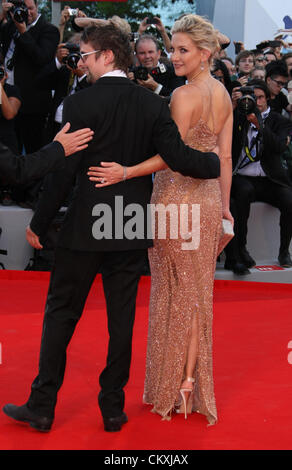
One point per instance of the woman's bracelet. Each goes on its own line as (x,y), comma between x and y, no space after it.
(125,173)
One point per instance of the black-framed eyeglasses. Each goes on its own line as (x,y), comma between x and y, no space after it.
(279,83)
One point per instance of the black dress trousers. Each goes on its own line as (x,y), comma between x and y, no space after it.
(71,280)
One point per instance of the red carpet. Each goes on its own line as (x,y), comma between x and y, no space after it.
(253,377)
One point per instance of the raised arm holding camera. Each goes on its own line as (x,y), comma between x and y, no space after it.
(67,14)
(156,22)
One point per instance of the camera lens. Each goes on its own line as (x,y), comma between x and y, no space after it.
(20,12)
(72,60)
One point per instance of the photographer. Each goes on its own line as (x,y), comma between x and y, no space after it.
(244,64)
(260,138)
(28,44)
(9,106)
(10,103)
(277,78)
(64,77)
(152,74)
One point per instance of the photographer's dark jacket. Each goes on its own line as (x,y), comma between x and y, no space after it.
(33,50)
(275,131)
(57,79)
(168,80)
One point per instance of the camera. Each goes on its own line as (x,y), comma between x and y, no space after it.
(2,72)
(19,11)
(73,11)
(73,57)
(140,72)
(151,20)
(247,104)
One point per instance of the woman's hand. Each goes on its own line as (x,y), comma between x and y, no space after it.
(106,174)
(226,214)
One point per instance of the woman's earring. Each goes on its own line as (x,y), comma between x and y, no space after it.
(202,66)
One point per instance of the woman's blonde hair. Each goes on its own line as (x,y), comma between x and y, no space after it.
(200,30)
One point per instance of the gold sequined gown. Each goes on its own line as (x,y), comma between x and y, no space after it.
(182,288)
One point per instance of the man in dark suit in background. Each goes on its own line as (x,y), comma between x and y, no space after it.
(259,174)
(27,46)
(130,124)
(64,77)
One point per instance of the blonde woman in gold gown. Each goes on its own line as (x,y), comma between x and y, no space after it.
(179,371)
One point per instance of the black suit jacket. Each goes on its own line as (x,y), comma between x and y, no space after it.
(23,169)
(275,132)
(33,50)
(131,124)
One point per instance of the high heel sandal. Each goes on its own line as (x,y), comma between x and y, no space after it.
(187,403)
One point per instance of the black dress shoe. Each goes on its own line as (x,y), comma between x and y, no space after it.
(115,424)
(25,415)
(246,259)
(238,268)
(285,260)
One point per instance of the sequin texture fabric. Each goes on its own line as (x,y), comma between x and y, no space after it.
(182,287)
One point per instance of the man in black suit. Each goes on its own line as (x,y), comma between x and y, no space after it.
(130,124)
(28,46)
(161,76)
(260,174)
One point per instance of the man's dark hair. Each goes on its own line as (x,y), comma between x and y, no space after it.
(276,68)
(270,52)
(256,83)
(219,65)
(147,37)
(286,56)
(110,37)
(243,55)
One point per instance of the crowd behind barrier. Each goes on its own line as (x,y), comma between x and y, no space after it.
(39,68)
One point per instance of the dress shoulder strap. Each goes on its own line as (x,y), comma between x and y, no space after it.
(211,106)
